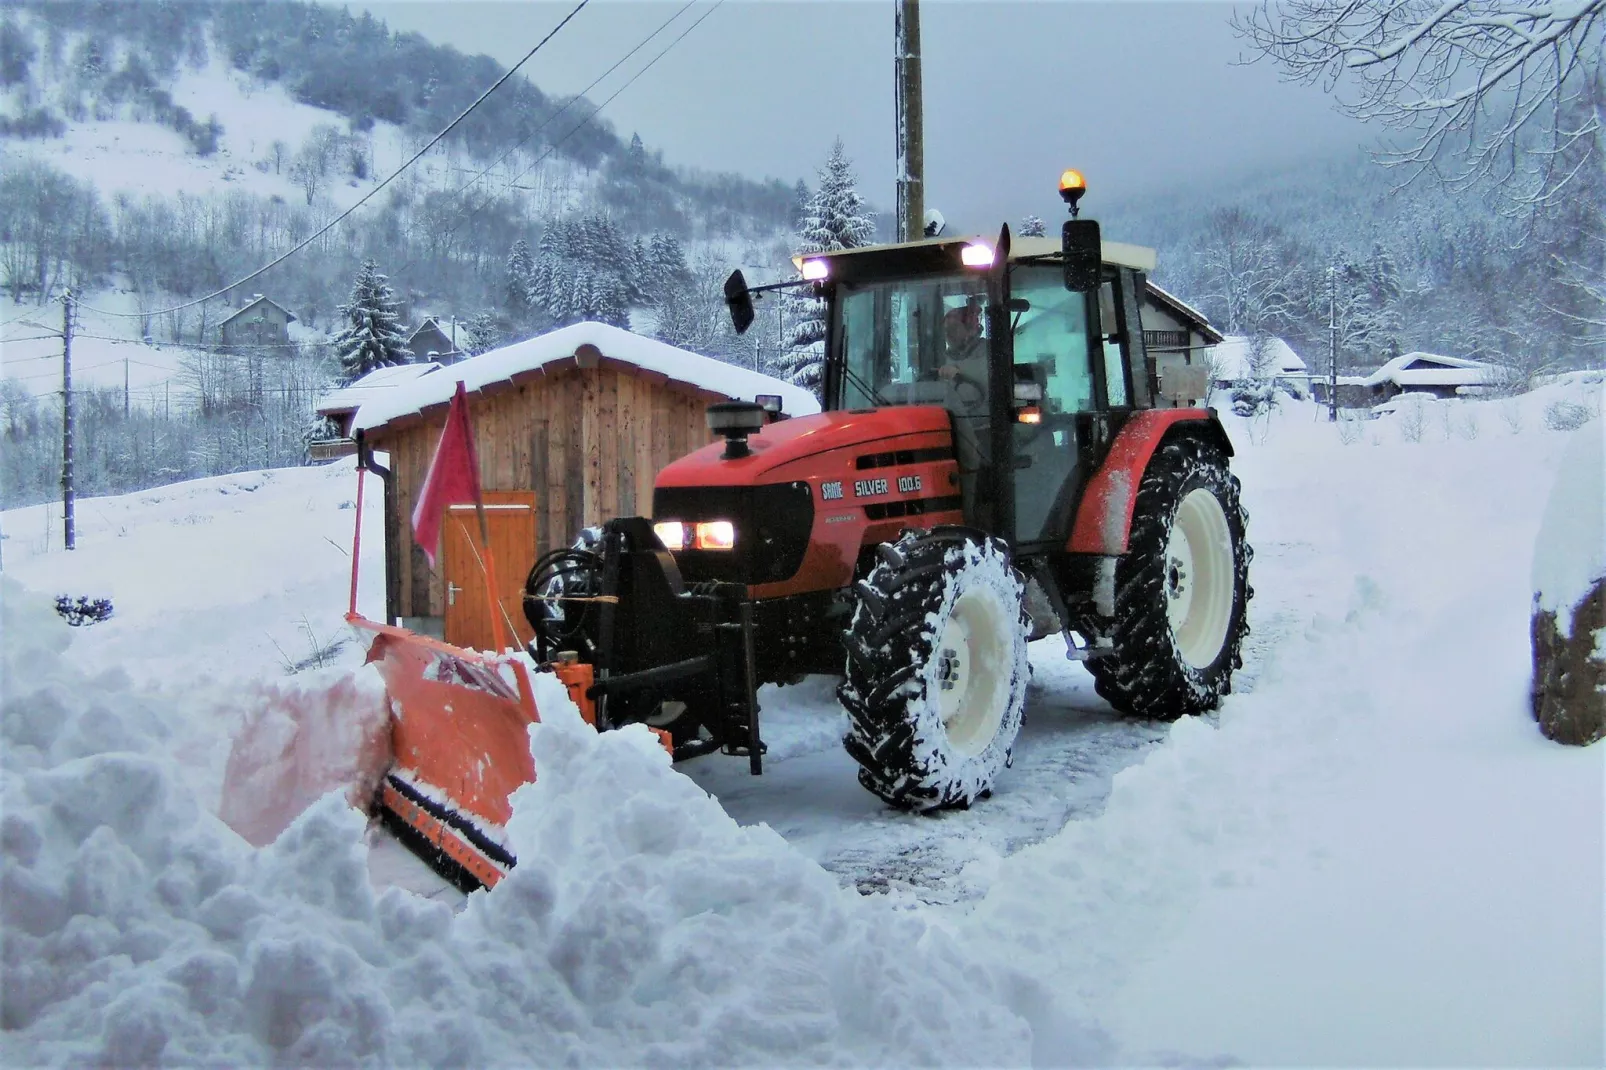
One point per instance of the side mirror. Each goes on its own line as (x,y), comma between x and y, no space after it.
(1083,251)
(771,404)
(740,302)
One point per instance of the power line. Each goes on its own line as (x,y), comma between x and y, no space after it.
(582,123)
(576,98)
(367,196)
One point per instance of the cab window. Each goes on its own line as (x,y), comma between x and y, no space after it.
(1051,337)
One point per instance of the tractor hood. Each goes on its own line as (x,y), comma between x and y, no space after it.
(787,441)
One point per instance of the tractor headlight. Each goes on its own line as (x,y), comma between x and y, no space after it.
(672,533)
(714,535)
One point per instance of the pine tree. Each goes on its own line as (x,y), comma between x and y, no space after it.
(483,333)
(800,204)
(516,288)
(836,219)
(372,337)
(640,277)
(1033,227)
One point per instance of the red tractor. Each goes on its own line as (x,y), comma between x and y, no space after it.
(990,467)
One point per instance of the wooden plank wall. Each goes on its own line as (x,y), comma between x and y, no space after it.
(589,443)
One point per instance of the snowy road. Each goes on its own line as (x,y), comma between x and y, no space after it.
(1071,745)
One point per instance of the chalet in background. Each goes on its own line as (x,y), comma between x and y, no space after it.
(261,322)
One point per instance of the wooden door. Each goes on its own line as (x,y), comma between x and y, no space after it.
(510,516)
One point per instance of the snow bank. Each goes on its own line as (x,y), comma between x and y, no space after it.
(642,926)
(1570,554)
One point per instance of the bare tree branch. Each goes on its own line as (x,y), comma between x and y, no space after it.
(1504,91)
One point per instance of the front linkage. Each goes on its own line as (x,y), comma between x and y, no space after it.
(674,657)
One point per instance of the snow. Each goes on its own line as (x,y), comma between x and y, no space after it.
(644,926)
(1368,856)
(121,156)
(1232,359)
(1570,554)
(499,365)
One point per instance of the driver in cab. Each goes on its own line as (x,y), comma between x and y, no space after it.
(964,365)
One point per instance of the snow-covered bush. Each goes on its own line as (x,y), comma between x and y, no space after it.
(1511,415)
(1254,398)
(1413,418)
(1568,627)
(1567,415)
(1349,427)
(83,609)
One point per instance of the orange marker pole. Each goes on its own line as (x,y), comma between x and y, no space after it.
(356,538)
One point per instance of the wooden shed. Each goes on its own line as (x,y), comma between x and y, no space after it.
(571,429)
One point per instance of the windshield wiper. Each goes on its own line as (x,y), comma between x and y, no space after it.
(864,387)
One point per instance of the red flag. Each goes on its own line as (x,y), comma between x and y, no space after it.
(453,479)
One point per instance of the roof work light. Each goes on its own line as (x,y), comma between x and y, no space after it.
(976,256)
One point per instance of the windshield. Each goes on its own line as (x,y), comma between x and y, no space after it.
(908,341)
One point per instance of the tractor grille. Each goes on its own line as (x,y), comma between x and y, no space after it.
(772,529)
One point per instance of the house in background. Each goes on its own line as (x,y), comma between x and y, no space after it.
(1422,373)
(1235,361)
(260,322)
(431,343)
(1178,337)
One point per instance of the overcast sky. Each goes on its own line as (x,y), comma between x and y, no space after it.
(1142,96)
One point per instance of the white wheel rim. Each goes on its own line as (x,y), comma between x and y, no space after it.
(1199,578)
(970,670)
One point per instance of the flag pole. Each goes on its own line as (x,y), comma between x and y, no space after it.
(490,575)
(488,563)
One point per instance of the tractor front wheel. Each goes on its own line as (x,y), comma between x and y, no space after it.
(1181,588)
(936,669)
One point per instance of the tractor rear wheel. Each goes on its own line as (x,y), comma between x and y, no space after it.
(1181,589)
(936,669)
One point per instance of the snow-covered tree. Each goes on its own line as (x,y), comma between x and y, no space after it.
(483,333)
(837,219)
(1033,227)
(517,283)
(1492,88)
(371,336)
(1248,276)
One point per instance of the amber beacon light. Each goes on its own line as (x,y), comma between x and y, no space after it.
(1072,186)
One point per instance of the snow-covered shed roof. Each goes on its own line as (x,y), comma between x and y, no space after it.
(376,384)
(1230,359)
(1431,369)
(562,349)
(1183,311)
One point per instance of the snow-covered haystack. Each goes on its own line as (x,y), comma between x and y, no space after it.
(642,925)
(1569,615)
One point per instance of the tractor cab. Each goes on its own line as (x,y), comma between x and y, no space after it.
(1034,366)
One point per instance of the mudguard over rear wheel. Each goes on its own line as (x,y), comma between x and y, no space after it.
(936,669)
(1181,589)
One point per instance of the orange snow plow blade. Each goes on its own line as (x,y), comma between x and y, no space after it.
(459,732)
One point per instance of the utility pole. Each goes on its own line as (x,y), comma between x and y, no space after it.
(1332,344)
(125,388)
(66,421)
(911,155)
